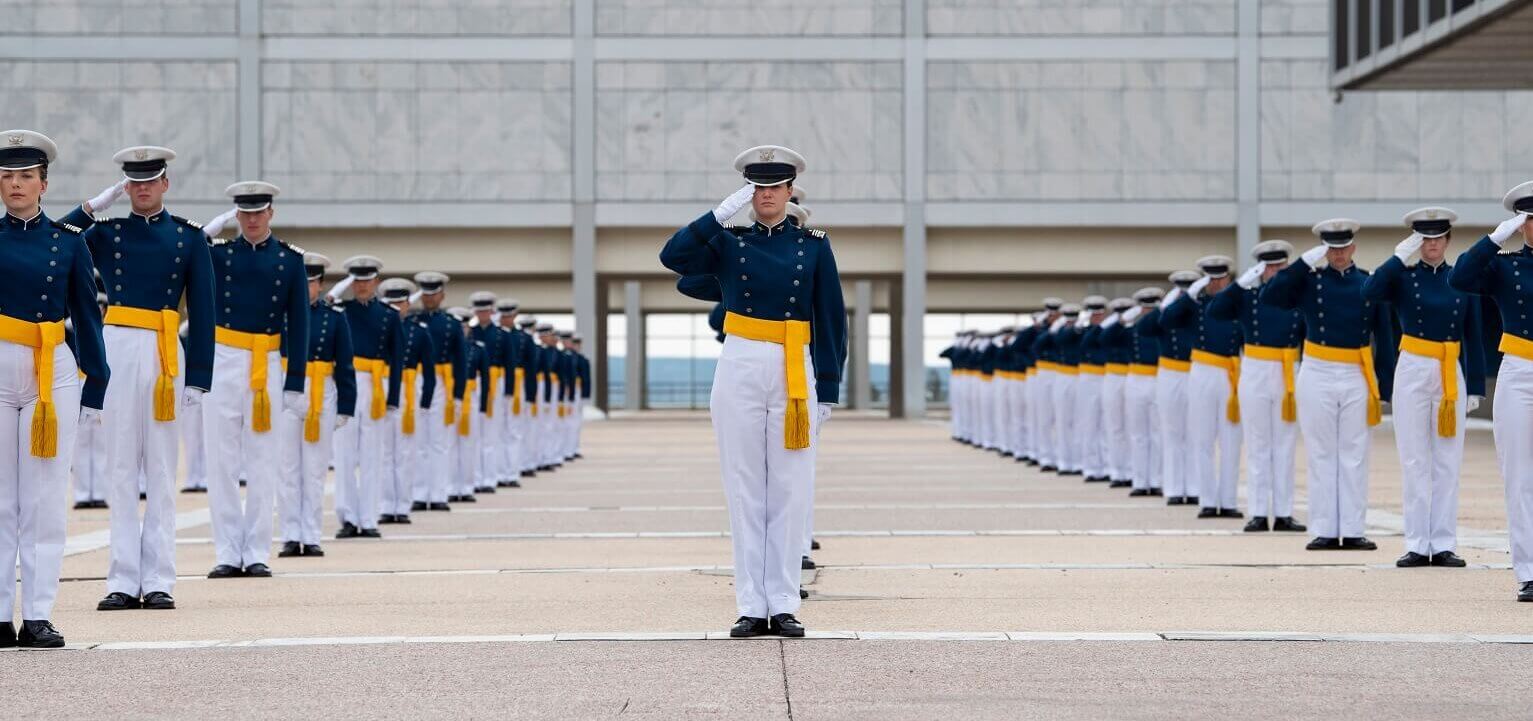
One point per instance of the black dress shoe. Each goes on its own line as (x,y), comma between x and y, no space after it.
(403,520)
(313,549)
(143,496)
(225,571)
(290,549)
(1526,593)
(1139,492)
(1412,559)
(1208,513)
(118,601)
(7,634)
(1176,501)
(82,505)
(1448,559)
(469,499)
(802,594)
(814,545)
(348,530)
(1287,523)
(39,634)
(1231,513)
(188,490)
(440,507)
(369,533)
(242,483)
(386,518)
(784,624)
(1120,484)
(159,601)
(1191,500)
(1257,524)
(1358,544)
(513,483)
(577,456)
(747,627)
(1047,468)
(1067,474)
(258,570)
(418,506)
(502,483)
(806,563)
(1097,479)
(529,474)
(1157,492)
(1323,544)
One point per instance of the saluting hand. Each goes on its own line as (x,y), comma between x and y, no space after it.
(1132,313)
(216,225)
(1196,289)
(1408,250)
(105,198)
(1251,277)
(1508,228)
(734,203)
(1315,256)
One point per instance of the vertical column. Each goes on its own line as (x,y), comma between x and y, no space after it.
(862,362)
(913,283)
(247,123)
(1248,158)
(583,158)
(633,365)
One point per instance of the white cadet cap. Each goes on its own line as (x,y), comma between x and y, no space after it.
(1215,266)
(362,267)
(144,162)
(507,305)
(1337,232)
(1094,303)
(252,195)
(460,313)
(431,282)
(1431,222)
(768,165)
(1272,251)
(1052,303)
(576,337)
(315,265)
(395,290)
(23,149)
(1149,295)
(566,334)
(1070,309)
(545,328)
(1519,199)
(527,321)
(799,194)
(1118,305)
(1183,278)
(482,300)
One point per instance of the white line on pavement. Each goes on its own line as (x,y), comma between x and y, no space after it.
(930,533)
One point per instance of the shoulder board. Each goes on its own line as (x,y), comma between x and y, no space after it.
(291,247)
(103,218)
(816,232)
(422,324)
(65,226)
(184,221)
(479,343)
(337,309)
(219,241)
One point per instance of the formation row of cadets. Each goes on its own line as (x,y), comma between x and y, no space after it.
(1157,393)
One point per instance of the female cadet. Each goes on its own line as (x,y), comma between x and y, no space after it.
(1172,367)
(781,293)
(1341,381)
(49,280)
(1212,421)
(1494,267)
(1439,376)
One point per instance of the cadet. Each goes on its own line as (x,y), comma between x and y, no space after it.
(550,375)
(90,445)
(401,480)
(1172,368)
(1093,373)
(377,337)
(49,280)
(332,400)
(1117,346)
(953,353)
(581,393)
(476,388)
(261,303)
(487,333)
(532,359)
(1493,267)
(1213,406)
(1142,418)
(1341,382)
(148,260)
(1062,346)
(784,309)
(513,413)
(1042,391)
(1021,349)
(1440,375)
(1268,405)
(437,457)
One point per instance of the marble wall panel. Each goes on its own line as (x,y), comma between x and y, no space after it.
(417,17)
(119,17)
(1080,17)
(755,18)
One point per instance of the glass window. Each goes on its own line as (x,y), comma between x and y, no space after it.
(680,352)
(617,359)
(1342,49)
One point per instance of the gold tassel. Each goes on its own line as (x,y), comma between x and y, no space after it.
(1290,408)
(407,424)
(561,410)
(463,422)
(1375,412)
(796,425)
(489,405)
(311,427)
(378,405)
(1232,409)
(516,405)
(164,398)
(450,414)
(45,430)
(534,410)
(260,409)
(1447,419)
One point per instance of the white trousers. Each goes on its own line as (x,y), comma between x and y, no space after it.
(404,471)
(437,448)
(1513,411)
(579,422)
(190,422)
(1066,447)
(1088,424)
(521,429)
(1270,441)
(90,463)
(490,440)
(143,555)
(1045,427)
(1429,463)
(956,404)
(469,460)
(1141,424)
(505,424)
(360,450)
(1333,416)
(1171,406)
(1000,390)
(548,435)
(32,489)
(1213,441)
(301,497)
(1114,438)
(768,487)
(242,527)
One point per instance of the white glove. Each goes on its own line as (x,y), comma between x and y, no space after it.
(1251,277)
(734,203)
(105,198)
(1110,321)
(90,416)
(294,404)
(216,225)
(1408,250)
(1132,313)
(1058,323)
(1196,289)
(1508,228)
(1083,320)
(1176,292)
(340,289)
(824,413)
(191,397)
(1472,403)
(1315,256)
(340,421)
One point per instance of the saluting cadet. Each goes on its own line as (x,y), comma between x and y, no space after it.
(566,395)
(1042,391)
(476,388)
(1172,369)
(781,293)
(417,385)
(1022,410)
(1268,402)
(261,302)
(1142,417)
(438,459)
(1117,346)
(1062,344)
(549,369)
(513,399)
(1341,381)
(1005,386)
(1493,267)
(581,393)
(955,381)
(377,337)
(532,355)
(1093,372)
(90,445)
(487,333)
(148,260)
(1213,406)
(190,425)
(331,402)
(1440,375)
(49,281)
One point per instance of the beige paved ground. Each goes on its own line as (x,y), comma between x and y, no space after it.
(921,535)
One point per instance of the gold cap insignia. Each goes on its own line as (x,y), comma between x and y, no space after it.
(14,140)
(141,154)
(767,155)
